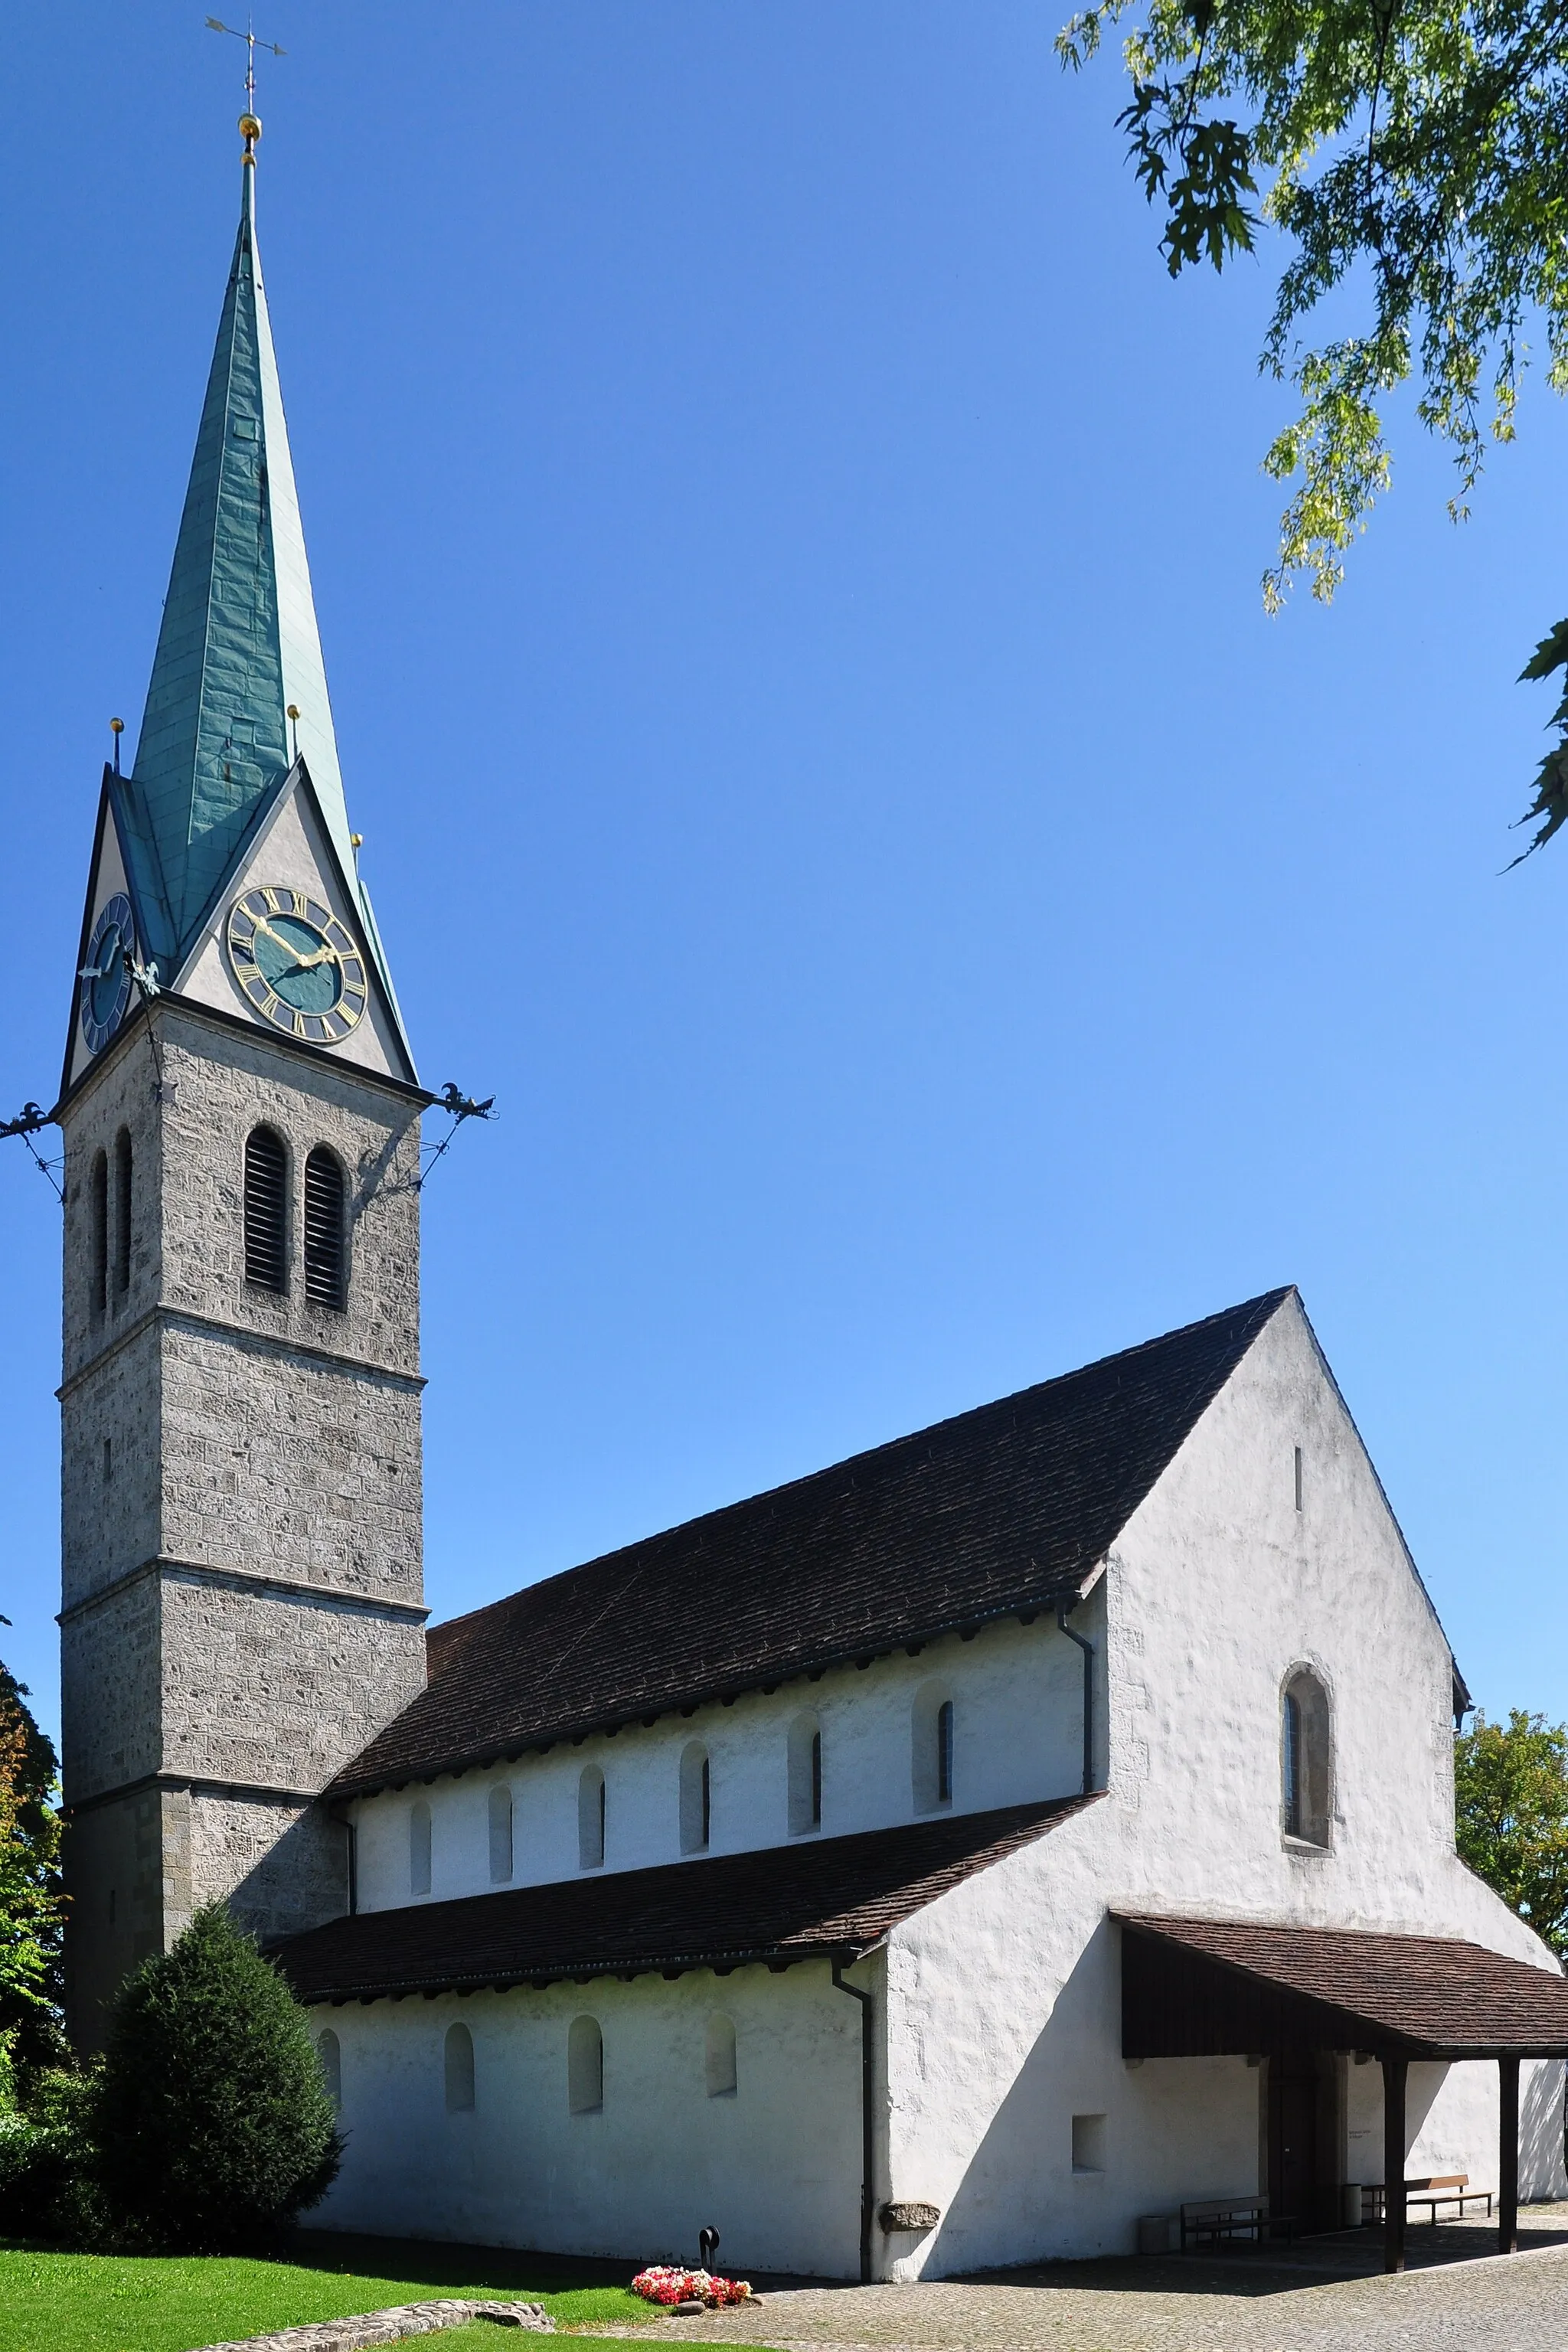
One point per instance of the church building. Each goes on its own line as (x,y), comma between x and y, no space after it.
(971,1852)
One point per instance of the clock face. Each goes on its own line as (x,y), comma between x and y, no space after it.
(296,964)
(106,974)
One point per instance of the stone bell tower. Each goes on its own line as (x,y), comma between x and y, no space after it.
(242,1602)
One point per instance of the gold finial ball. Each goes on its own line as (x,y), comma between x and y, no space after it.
(293,711)
(250,127)
(356,840)
(118,726)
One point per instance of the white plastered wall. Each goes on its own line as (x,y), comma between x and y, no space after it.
(1017,1697)
(1004,1998)
(765,2165)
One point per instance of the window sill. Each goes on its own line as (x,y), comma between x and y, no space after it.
(1305,1849)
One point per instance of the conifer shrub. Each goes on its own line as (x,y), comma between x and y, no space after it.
(214,2125)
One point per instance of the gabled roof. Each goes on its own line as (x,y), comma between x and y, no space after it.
(1001,1512)
(1203,1987)
(238,646)
(815,1899)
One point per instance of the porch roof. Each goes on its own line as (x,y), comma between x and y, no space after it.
(816,1899)
(1210,1988)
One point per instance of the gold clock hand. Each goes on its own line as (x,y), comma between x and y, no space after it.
(300,963)
(309,963)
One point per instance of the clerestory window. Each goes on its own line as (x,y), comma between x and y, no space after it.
(591,1818)
(500,1833)
(804,1776)
(696,1798)
(932,1728)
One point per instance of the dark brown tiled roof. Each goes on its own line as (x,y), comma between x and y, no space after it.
(1196,1986)
(821,1898)
(1001,1511)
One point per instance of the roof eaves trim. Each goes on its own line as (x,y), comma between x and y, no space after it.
(846,1951)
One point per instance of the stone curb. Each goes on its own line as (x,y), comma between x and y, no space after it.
(389,2327)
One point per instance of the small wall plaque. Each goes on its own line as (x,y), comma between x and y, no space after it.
(910,2215)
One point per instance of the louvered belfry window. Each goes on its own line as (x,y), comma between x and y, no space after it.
(266,1209)
(325,1268)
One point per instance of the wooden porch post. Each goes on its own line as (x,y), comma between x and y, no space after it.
(1507,2157)
(1393,2072)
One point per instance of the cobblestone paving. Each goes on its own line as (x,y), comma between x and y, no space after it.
(1322,2297)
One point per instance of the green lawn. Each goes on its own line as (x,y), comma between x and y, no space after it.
(114,2303)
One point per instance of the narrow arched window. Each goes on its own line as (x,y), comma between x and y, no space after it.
(1290,1734)
(266,1209)
(804,1776)
(695,1798)
(419,1848)
(720,2056)
(931,1749)
(591,1818)
(1305,1761)
(329,2058)
(500,1833)
(460,2062)
(122,1205)
(98,1215)
(326,1260)
(584,2066)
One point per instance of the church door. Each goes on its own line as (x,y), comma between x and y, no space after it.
(1302,2171)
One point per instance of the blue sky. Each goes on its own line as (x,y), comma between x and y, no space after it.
(788,565)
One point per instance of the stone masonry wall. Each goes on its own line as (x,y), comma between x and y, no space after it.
(290,1466)
(111,1465)
(275,1691)
(112,1692)
(221,1442)
(284,1868)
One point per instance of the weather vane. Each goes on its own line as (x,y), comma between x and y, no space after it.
(247,121)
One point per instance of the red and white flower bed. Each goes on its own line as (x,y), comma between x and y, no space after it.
(663,2283)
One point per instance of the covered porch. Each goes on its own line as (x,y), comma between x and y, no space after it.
(1297,1997)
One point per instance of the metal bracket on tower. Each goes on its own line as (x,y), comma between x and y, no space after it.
(30,1122)
(461,1107)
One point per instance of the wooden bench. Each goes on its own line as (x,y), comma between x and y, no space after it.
(1447,2189)
(1213,2219)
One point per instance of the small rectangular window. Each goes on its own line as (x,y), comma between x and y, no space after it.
(1297,1477)
(1089,2142)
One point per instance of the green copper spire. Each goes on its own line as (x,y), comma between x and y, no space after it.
(238,642)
